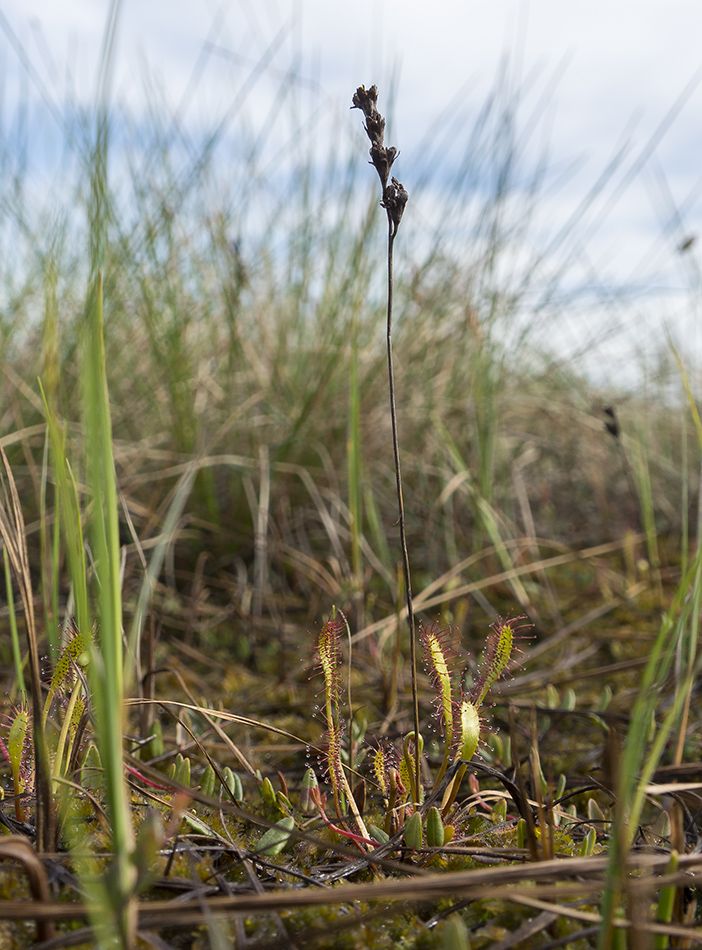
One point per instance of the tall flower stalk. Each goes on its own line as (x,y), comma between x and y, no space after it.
(394,200)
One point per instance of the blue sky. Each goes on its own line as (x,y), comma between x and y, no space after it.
(618,67)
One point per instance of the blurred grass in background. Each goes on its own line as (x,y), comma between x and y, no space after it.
(244,329)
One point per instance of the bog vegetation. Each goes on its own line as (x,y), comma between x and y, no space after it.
(245,704)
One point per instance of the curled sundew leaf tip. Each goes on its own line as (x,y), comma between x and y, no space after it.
(497,656)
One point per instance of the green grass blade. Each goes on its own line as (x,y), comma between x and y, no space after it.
(14,634)
(107,664)
(69,506)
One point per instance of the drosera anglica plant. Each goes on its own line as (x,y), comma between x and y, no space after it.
(65,696)
(329,663)
(458,712)
(394,774)
(329,654)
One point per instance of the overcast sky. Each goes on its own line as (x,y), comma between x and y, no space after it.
(621,57)
(618,69)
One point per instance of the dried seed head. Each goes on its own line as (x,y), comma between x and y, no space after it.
(394,195)
(383,158)
(366,99)
(394,201)
(375,129)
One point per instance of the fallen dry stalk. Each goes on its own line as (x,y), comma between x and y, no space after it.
(531,884)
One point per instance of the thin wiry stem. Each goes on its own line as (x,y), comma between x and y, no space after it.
(394,201)
(392,231)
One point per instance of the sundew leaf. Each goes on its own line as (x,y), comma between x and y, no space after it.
(74,653)
(16,740)
(498,653)
(470,731)
(438,667)
(380,767)
(330,656)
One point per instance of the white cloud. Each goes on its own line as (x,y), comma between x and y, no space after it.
(625,59)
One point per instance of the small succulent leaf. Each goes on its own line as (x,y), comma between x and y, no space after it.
(309,783)
(521,834)
(605,698)
(199,826)
(182,770)
(569,700)
(208,782)
(455,934)
(499,811)
(382,837)
(268,793)
(233,783)
(412,835)
(283,802)
(154,747)
(274,840)
(435,828)
(587,845)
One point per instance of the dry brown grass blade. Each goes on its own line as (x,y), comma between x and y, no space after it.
(207,715)
(12,530)
(210,715)
(424,601)
(313,569)
(23,435)
(545,645)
